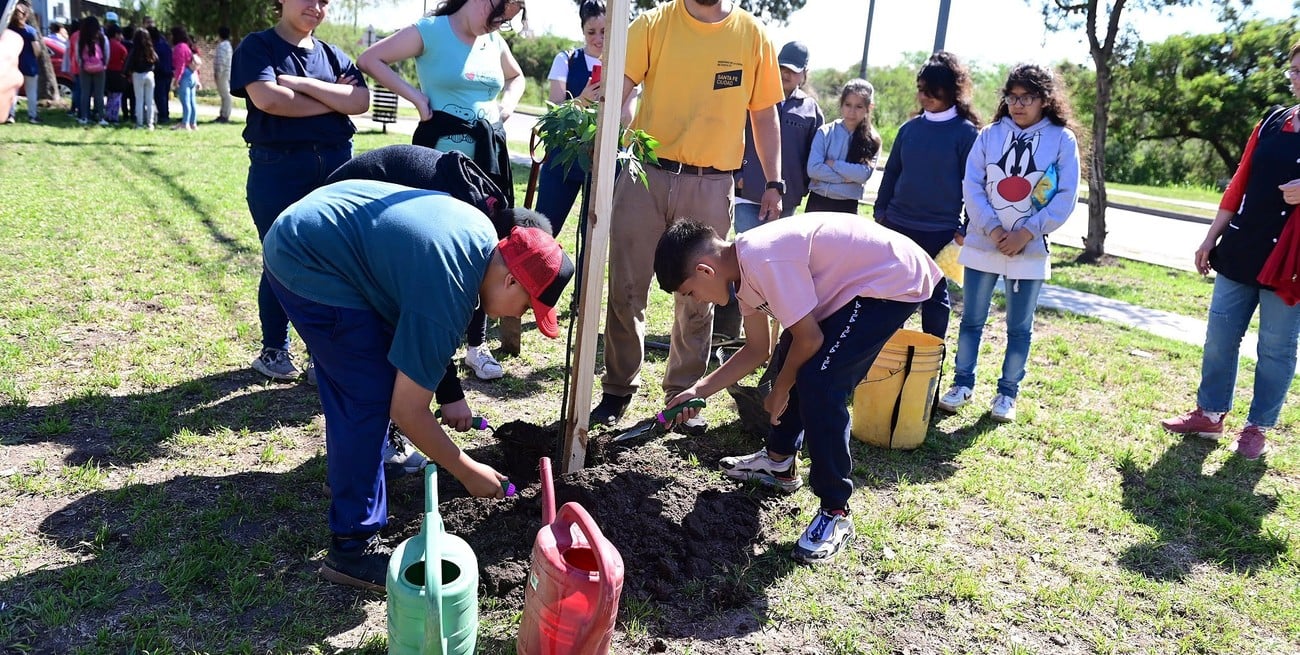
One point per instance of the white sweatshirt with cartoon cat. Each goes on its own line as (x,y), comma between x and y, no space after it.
(1018,178)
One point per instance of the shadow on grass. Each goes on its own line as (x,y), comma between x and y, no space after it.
(1200,518)
(194,563)
(934,461)
(134,428)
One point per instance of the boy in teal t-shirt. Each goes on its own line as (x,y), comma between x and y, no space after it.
(379,280)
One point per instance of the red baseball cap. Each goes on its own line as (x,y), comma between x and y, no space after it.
(539,264)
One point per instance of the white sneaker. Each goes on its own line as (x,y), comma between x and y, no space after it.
(955,398)
(824,538)
(401,457)
(782,476)
(1003,409)
(484,365)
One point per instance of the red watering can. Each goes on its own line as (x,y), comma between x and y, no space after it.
(571,599)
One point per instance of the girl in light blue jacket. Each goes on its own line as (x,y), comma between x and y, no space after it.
(844,153)
(1022,182)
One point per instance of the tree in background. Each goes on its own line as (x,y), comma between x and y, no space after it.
(1206,88)
(1090,16)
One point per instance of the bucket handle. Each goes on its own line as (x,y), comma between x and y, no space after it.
(434,642)
(574,514)
(548,492)
(898,402)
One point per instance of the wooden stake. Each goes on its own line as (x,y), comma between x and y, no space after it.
(577,414)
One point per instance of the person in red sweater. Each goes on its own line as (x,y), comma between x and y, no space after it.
(115,83)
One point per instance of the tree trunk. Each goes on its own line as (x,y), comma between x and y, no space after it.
(1094,245)
(47,84)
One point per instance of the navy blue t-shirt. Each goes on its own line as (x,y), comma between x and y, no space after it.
(415,257)
(263,56)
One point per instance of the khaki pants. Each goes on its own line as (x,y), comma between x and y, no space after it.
(640,217)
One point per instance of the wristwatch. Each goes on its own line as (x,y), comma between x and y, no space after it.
(779,185)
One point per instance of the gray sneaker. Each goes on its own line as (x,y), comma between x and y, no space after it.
(276,364)
(782,476)
(824,538)
(401,457)
(310,373)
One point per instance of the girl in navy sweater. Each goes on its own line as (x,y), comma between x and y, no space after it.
(920,194)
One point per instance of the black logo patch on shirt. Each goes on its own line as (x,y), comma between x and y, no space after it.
(727,79)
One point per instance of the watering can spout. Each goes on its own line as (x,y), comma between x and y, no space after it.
(548,492)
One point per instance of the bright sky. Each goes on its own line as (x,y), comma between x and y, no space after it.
(988,31)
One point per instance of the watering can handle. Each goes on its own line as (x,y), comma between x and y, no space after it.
(574,514)
(432,529)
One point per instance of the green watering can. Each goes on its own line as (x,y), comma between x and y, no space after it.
(432,610)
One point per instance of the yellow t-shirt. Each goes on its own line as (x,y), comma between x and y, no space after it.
(700,79)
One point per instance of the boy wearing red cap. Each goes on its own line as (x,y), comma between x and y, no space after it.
(380,280)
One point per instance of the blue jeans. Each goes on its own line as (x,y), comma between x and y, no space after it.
(277,178)
(188,92)
(1022,300)
(818,406)
(355,382)
(746,216)
(1231,307)
(556,192)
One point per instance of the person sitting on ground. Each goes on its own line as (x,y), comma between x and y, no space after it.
(380,280)
(842,286)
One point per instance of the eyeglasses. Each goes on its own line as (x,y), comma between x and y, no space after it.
(1023,101)
(1292,73)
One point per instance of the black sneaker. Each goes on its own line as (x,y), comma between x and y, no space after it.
(610,410)
(360,563)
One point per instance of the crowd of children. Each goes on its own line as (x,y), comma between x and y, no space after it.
(119,75)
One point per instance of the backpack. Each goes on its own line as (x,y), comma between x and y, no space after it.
(93,61)
(419,167)
(196,61)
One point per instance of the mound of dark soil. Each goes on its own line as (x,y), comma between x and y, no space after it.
(677,527)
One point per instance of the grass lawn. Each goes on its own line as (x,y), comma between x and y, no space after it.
(159,497)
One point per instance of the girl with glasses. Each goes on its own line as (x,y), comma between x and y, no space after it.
(1022,182)
(463,66)
(1247,246)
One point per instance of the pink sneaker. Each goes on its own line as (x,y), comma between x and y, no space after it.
(1196,424)
(1251,442)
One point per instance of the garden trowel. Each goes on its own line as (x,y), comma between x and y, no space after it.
(659,422)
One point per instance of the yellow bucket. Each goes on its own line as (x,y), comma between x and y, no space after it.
(891,407)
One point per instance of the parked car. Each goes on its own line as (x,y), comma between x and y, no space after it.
(64,80)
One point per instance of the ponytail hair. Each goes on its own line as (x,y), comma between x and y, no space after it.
(864,144)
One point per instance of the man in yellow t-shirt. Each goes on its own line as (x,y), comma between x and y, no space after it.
(703,65)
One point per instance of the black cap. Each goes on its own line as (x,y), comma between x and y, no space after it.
(794,55)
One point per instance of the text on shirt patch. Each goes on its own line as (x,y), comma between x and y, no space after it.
(726,79)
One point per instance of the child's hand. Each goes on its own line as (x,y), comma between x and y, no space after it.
(481,480)
(776,402)
(687,413)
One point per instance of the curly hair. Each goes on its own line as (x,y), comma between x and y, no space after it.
(1042,83)
(944,77)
